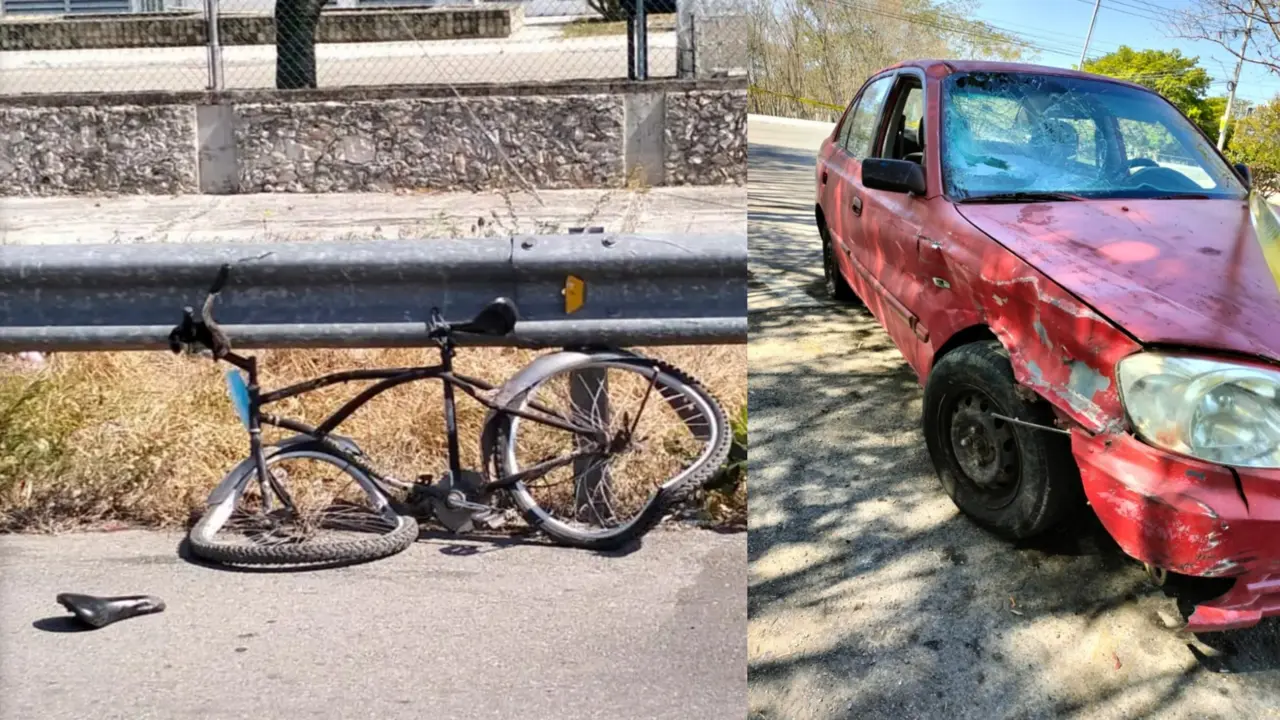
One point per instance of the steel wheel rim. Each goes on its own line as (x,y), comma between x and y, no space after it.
(704,407)
(221,515)
(984,451)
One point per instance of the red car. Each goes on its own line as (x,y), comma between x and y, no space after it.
(1089,293)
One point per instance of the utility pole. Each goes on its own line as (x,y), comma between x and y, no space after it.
(1231,96)
(1089,35)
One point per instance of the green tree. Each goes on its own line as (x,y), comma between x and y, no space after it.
(1256,143)
(1179,78)
(1214,107)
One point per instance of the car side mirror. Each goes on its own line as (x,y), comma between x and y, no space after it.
(1245,174)
(902,176)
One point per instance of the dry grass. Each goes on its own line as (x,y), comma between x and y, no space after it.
(140,438)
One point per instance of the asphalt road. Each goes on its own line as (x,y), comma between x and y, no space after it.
(447,629)
(869,595)
(535,53)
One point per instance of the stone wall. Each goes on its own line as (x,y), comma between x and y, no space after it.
(571,141)
(569,135)
(88,149)
(187,30)
(706,138)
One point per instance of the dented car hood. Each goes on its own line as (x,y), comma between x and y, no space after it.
(1182,272)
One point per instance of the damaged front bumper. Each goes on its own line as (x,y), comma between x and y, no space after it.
(1192,518)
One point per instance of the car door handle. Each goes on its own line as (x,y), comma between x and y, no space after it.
(856,205)
(824,177)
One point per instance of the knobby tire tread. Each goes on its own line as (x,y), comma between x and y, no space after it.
(365,549)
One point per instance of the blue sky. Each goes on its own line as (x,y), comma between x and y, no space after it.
(1060,25)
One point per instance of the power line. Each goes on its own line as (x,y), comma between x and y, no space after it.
(1013,37)
(1145,12)
(1116,9)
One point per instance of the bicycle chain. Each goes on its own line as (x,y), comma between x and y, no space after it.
(357,460)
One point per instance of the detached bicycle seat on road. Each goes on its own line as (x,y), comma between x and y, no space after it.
(497,318)
(100,612)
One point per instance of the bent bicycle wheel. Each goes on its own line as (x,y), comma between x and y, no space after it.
(330,512)
(664,437)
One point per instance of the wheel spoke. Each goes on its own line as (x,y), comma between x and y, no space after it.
(646,444)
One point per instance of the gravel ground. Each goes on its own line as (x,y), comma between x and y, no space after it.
(870,596)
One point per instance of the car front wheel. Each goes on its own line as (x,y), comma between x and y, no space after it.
(1013,480)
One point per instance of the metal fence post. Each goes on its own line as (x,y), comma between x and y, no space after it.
(684,38)
(631,46)
(642,41)
(214,45)
(589,393)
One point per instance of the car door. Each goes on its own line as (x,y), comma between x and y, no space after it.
(845,201)
(832,160)
(894,222)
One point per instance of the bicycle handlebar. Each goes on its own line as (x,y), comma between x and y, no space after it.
(498,318)
(204,331)
(223,273)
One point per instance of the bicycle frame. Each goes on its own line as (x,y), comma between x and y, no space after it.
(389,378)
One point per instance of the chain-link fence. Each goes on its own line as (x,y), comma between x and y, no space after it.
(63,46)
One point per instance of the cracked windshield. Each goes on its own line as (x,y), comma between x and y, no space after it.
(1022,132)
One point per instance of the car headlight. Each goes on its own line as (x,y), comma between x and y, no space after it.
(1217,411)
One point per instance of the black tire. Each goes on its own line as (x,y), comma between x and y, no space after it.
(400,536)
(674,492)
(1043,488)
(836,286)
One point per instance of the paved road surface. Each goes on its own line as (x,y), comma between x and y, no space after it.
(870,597)
(535,53)
(445,630)
(282,217)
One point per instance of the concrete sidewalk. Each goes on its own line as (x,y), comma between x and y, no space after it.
(283,217)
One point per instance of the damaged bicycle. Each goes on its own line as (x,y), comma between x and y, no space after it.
(590,446)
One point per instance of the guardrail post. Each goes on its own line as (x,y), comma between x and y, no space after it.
(214,45)
(589,394)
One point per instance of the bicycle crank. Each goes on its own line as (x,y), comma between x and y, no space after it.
(454,503)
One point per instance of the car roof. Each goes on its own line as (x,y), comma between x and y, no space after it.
(950,66)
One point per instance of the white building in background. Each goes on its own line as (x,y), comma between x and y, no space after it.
(532,8)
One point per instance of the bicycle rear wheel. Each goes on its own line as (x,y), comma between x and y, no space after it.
(338,515)
(666,436)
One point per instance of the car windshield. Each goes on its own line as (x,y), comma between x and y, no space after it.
(1062,138)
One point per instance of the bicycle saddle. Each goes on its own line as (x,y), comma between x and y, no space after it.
(499,317)
(100,612)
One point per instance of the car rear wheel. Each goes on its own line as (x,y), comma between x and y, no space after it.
(836,286)
(1013,480)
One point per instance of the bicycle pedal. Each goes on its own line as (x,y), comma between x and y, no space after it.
(494,519)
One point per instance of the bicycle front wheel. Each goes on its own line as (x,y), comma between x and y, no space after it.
(663,436)
(320,510)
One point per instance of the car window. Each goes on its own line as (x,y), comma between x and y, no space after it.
(843,139)
(904,139)
(1025,132)
(862,121)
(991,118)
(1152,141)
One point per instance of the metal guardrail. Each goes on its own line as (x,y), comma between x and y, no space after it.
(570,289)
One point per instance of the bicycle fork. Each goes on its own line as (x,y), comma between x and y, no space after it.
(266,479)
